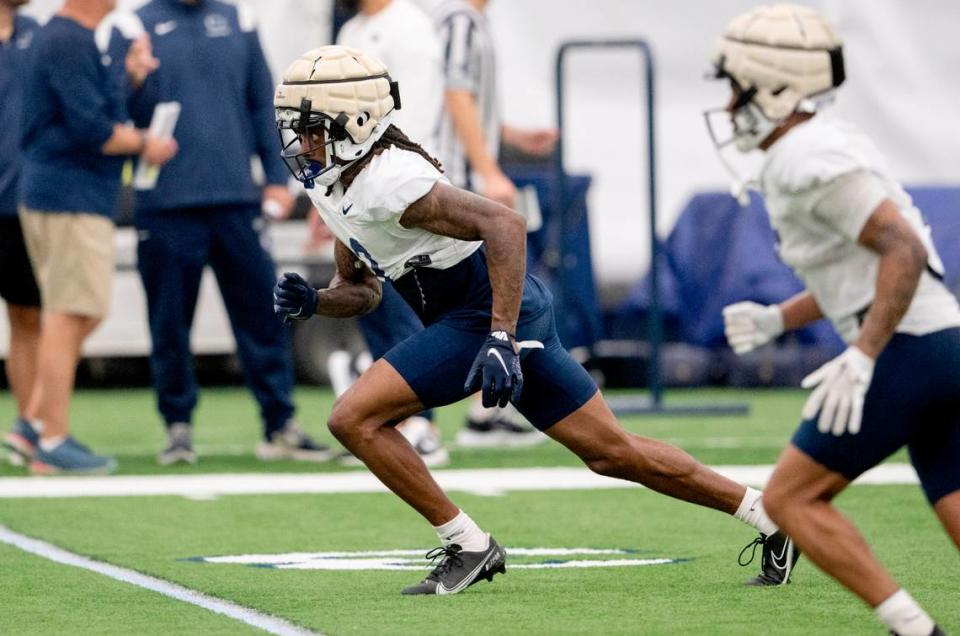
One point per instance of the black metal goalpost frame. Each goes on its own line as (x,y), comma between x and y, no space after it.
(654,403)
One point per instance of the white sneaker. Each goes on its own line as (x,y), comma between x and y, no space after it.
(179,445)
(498,428)
(291,442)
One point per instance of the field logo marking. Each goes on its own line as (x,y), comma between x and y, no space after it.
(392,560)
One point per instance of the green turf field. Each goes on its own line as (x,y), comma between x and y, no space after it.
(700,593)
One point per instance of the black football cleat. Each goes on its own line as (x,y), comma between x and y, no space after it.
(779,556)
(458,570)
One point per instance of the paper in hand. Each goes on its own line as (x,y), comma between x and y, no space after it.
(162,125)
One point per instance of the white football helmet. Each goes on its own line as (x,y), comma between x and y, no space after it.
(779,60)
(336,96)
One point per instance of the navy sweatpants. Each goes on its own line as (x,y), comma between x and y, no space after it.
(173,249)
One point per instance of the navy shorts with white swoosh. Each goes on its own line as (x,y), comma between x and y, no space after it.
(435,363)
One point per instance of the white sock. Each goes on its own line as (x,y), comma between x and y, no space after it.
(902,615)
(48,444)
(463,531)
(752,513)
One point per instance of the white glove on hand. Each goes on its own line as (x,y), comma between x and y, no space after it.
(841,385)
(749,325)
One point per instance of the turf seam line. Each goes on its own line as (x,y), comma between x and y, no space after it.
(251,617)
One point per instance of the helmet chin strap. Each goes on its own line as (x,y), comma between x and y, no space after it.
(331,176)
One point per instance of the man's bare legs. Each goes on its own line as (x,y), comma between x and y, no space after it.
(61,338)
(948,510)
(799,498)
(361,421)
(21,363)
(593,434)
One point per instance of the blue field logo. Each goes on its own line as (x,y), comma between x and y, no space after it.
(519,558)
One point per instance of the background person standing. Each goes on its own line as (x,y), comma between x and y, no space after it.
(18,287)
(401,35)
(206,210)
(74,145)
(469,145)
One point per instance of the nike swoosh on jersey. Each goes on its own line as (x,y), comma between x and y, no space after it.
(493,352)
(347,208)
(163,28)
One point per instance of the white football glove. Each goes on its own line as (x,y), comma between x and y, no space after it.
(749,325)
(841,385)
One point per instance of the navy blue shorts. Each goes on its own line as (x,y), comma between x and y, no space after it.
(436,361)
(913,401)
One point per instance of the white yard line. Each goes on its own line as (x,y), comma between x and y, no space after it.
(487,481)
(246,615)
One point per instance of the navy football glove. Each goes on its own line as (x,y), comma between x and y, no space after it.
(496,371)
(294,298)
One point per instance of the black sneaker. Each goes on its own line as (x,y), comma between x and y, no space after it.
(458,570)
(937,631)
(779,556)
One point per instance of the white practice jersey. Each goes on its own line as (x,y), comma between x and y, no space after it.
(818,237)
(366,217)
(470,64)
(403,37)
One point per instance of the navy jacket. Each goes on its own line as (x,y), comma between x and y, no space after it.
(12,53)
(72,100)
(211,62)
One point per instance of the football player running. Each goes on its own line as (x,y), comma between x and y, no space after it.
(862,248)
(458,260)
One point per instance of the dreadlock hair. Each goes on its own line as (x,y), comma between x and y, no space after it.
(393,136)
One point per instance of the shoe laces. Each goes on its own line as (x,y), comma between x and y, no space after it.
(752,546)
(450,555)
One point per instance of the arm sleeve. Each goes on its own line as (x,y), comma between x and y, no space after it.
(74,72)
(260,106)
(461,57)
(848,202)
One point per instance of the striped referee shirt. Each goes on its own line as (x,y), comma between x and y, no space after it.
(469,64)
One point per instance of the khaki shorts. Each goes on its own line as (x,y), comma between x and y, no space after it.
(72,257)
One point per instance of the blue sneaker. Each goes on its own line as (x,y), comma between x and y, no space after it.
(70,458)
(21,441)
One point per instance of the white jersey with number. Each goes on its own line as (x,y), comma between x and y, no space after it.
(366,216)
(818,232)
(402,36)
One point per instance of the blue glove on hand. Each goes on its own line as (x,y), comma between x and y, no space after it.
(294,298)
(496,370)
